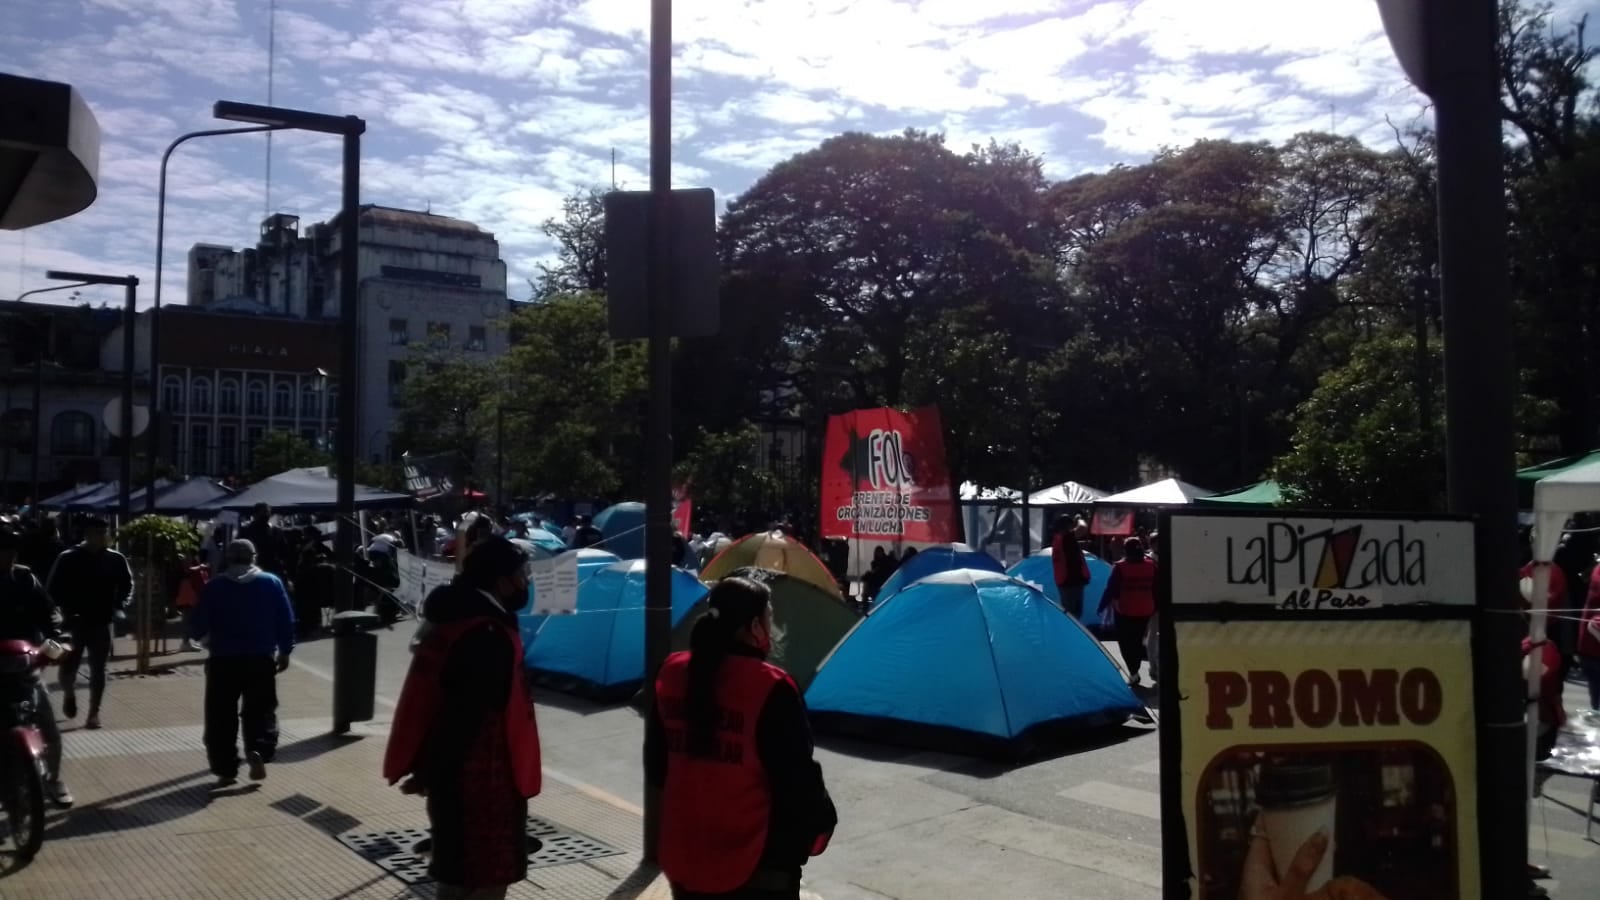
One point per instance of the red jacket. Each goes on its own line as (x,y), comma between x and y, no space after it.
(1063,547)
(1558,585)
(418,708)
(715,810)
(1132,588)
(1551,710)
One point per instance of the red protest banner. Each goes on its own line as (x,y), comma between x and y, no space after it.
(884,477)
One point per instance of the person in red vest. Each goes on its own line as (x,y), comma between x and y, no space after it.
(1131,592)
(743,804)
(464,732)
(1070,568)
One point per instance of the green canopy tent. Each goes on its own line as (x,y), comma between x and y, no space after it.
(810,623)
(1262,493)
(1532,475)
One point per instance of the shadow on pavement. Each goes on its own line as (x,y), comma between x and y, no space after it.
(547,695)
(164,802)
(324,818)
(943,751)
(636,884)
(313,747)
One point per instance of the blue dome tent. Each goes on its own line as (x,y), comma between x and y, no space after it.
(938,558)
(622,526)
(590,561)
(968,661)
(1038,570)
(599,650)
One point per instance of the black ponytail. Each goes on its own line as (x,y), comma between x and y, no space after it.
(731,606)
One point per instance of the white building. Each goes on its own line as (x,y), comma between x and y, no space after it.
(421,275)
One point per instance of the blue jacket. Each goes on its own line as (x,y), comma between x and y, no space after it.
(245,614)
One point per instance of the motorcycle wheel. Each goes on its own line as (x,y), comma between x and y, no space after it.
(25,807)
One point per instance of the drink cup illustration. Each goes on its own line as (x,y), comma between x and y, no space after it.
(1297,800)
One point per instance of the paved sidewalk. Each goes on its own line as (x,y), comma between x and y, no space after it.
(149,825)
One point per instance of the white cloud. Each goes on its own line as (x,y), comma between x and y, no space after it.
(493,110)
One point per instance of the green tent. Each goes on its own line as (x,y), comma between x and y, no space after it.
(1532,475)
(1262,493)
(810,623)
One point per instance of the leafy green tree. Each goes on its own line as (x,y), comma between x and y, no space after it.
(1359,442)
(447,406)
(726,472)
(278,451)
(579,238)
(574,402)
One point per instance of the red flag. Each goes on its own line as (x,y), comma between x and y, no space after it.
(884,477)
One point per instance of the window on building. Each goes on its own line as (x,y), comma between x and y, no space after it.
(397,380)
(477,338)
(228,397)
(256,398)
(308,400)
(399,333)
(172,393)
(200,449)
(72,434)
(16,426)
(200,396)
(227,449)
(283,400)
(439,333)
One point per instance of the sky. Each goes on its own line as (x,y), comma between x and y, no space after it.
(494,110)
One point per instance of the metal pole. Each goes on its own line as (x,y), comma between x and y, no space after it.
(349,350)
(658,421)
(1420,347)
(125,488)
(38,401)
(1479,382)
(155,318)
(500,455)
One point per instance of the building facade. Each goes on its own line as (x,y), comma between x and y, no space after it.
(228,377)
(423,278)
(54,351)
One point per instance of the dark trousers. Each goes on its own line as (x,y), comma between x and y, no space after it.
(1072,600)
(240,689)
(93,641)
(1131,632)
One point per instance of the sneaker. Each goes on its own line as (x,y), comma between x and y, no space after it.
(58,793)
(93,722)
(227,780)
(258,766)
(192,645)
(69,705)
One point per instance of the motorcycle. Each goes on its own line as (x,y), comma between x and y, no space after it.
(22,747)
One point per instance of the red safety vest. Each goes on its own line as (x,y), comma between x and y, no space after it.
(420,699)
(716,809)
(194,580)
(1136,588)
(1060,549)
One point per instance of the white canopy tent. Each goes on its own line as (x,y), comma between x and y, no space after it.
(971,490)
(1167,492)
(1067,493)
(1556,499)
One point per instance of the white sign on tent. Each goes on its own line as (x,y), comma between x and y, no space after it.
(419,576)
(554,584)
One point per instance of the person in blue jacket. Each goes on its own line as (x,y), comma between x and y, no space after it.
(247,617)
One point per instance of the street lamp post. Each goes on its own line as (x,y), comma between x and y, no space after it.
(155,318)
(350,129)
(130,285)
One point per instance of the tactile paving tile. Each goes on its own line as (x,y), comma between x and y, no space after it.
(390,850)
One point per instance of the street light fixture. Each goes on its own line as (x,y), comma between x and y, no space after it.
(350,129)
(130,284)
(155,319)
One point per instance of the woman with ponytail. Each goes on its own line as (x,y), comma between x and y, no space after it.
(743,803)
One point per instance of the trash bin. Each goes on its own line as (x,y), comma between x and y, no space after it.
(355,667)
